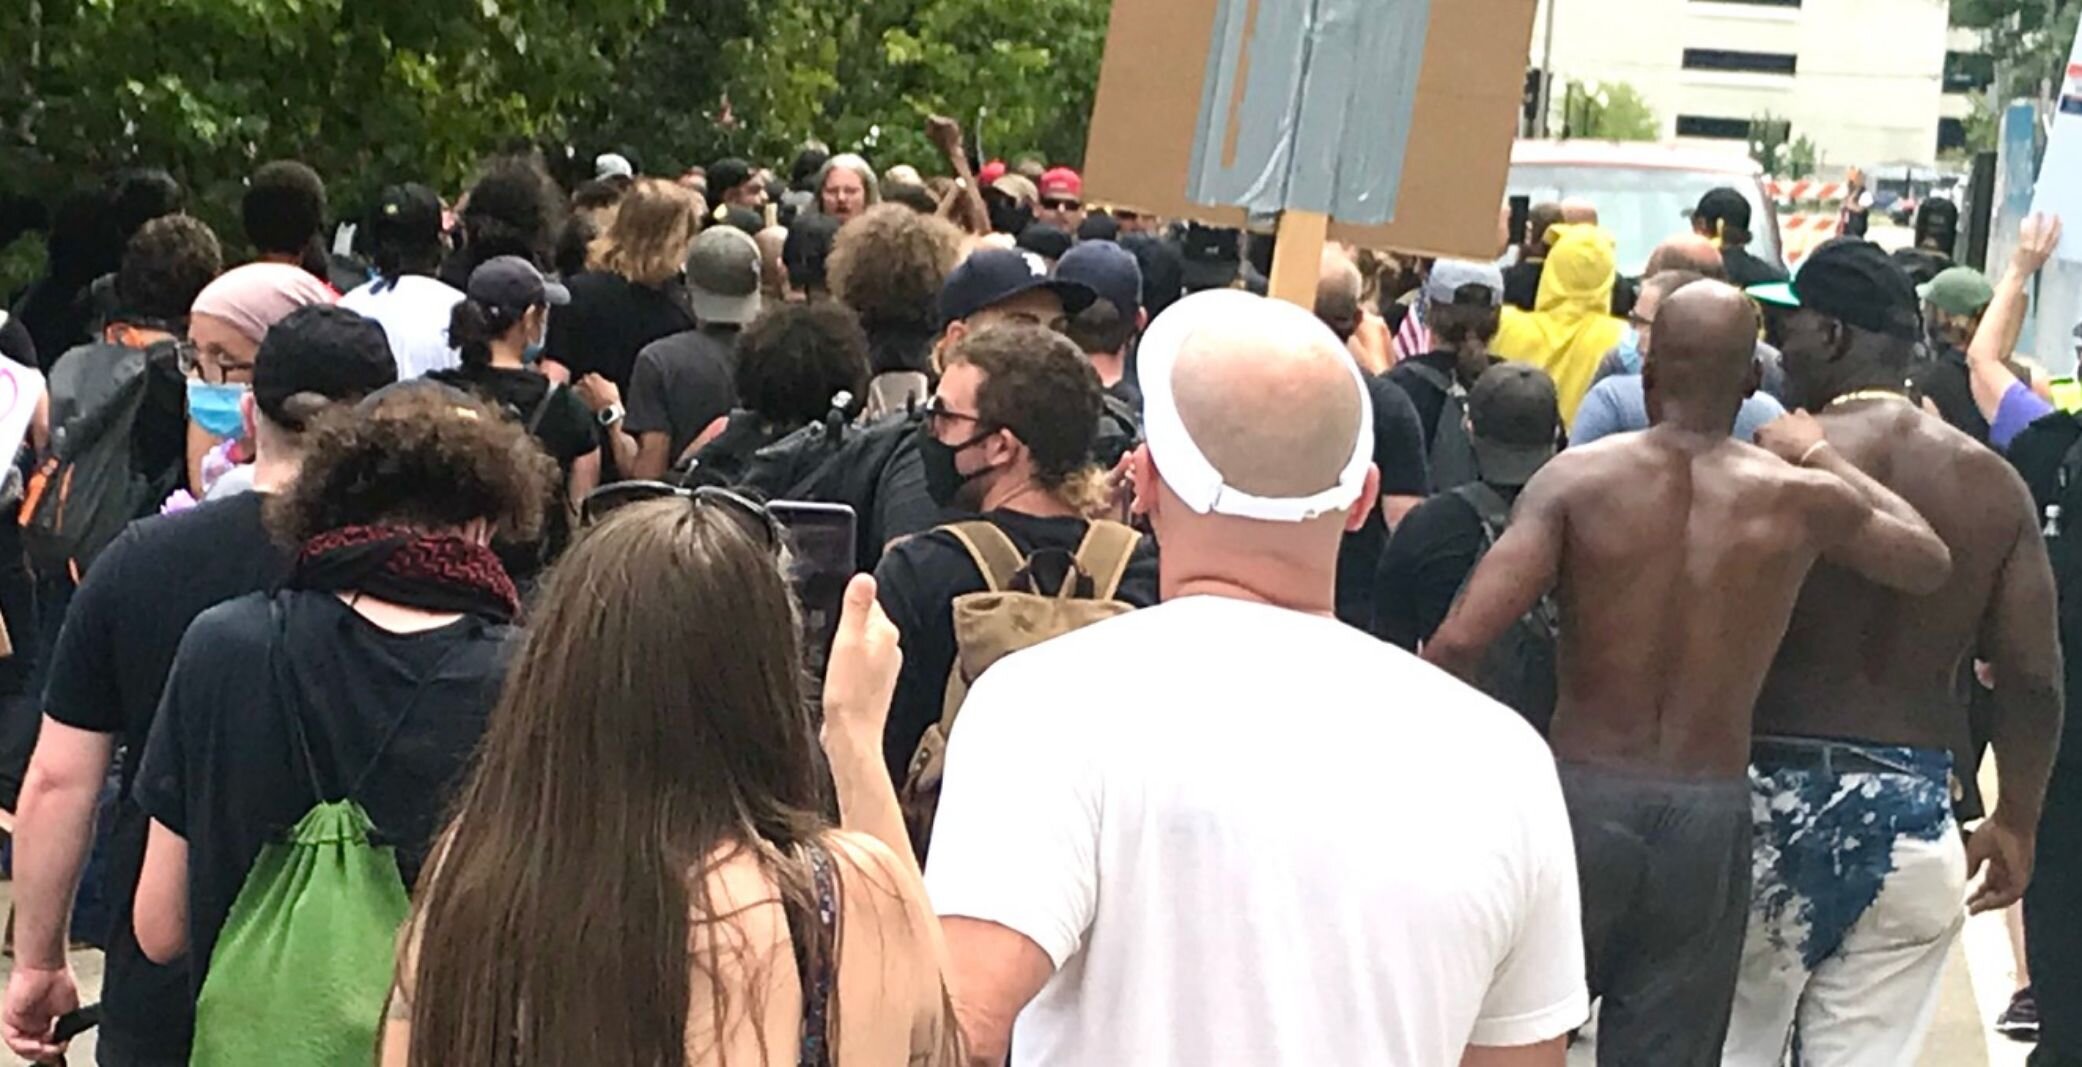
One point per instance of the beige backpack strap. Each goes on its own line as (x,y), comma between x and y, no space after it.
(1107,549)
(995,554)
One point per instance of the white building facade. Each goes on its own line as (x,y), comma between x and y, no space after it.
(1866,80)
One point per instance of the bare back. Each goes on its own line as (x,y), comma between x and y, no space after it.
(1680,568)
(1866,663)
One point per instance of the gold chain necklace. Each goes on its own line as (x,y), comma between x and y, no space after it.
(1867,394)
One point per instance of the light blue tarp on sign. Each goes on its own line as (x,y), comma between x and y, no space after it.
(1307,104)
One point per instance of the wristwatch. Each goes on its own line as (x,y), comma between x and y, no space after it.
(611,414)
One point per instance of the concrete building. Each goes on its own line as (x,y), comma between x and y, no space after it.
(1866,80)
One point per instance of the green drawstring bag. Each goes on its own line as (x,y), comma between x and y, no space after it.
(304,963)
(301,971)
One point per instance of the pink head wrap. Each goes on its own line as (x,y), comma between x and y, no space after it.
(258,295)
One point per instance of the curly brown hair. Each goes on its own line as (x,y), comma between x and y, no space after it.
(419,455)
(888,265)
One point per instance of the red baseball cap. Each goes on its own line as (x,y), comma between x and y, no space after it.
(991,172)
(1062,181)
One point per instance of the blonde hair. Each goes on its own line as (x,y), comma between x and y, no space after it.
(653,228)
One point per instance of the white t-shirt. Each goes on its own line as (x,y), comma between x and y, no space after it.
(414,315)
(1246,835)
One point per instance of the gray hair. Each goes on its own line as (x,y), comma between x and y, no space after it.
(857,165)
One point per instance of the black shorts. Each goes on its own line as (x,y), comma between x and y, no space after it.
(1665,868)
(2053,920)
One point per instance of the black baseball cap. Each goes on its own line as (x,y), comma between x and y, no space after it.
(737,217)
(995,275)
(1108,270)
(1213,255)
(513,282)
(727,174)
(1724,205)
(1099,226)
(1044,240)
(1514,413)
(324,351)
(407,214)
(1852,281)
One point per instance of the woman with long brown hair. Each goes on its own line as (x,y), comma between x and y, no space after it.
(629,294)
(639,871)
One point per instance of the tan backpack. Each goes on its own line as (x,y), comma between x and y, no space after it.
(1012,613)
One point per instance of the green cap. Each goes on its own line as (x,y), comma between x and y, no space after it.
(1777,293)
(1958,291)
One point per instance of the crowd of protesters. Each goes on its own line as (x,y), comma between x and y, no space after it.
(417,638)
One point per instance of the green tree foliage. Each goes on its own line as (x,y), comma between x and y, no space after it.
(1769,140)
(368,92)
(1608,111)
(2029,39)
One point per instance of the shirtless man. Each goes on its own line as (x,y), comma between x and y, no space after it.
(1677,554)
(1859,865)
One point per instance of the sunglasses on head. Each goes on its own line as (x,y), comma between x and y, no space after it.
(752,515)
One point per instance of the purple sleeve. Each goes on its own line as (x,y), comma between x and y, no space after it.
(2020,408)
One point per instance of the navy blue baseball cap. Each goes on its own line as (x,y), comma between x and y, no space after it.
(1108,270)
(995,275)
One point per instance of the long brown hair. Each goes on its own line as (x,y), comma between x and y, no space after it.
(654,725)
(652,232)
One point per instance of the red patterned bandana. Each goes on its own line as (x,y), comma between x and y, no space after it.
(418,570)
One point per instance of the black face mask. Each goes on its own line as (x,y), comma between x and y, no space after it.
(1010,216)
(943,479)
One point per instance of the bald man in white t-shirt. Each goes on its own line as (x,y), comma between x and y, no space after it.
(1161,838)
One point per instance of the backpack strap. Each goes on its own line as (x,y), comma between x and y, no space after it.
(1104,556)
(542,407)
(996,556)
(1436,377)
(1490,506)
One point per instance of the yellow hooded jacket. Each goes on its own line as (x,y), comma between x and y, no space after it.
(1571,327)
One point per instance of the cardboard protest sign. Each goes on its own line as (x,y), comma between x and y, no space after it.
(1154,81)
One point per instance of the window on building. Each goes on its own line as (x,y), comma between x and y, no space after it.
(1968,72)
(1716,128)
(1744,62)
(1951,135)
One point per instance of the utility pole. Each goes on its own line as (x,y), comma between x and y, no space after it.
(1547,71)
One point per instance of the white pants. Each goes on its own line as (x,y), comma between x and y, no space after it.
(1861,994)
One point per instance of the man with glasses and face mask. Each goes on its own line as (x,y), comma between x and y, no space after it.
(1008,437)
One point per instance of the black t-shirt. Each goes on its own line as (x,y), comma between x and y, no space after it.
(567,430)
(919,580)
(1428,560)
(608,322)
(106,676)
(682,383)
(1424,394)
(2038,455)
(222,770)
(1127,392)
(1399,445)
(1949,385)
(1745,270)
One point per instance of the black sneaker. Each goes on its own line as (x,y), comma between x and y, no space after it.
(2020,1021)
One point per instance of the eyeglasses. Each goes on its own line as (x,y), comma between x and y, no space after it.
(753,516)
(190,356)
(937,414)
(1057,203)
(1640,321)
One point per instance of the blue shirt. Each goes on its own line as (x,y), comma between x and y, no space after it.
(1618,405)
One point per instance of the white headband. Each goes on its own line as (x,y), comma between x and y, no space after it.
(1179,460)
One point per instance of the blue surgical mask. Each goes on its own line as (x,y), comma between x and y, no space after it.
(1630,348)
(217,408)
(532,354)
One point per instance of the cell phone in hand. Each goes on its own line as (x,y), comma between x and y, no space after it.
(821,539)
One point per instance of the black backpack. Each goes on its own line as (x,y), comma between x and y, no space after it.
(1451,451)
(1518,670)
(90,486)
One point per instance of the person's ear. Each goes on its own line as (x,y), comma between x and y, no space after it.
(1369,499)
(249,416)
(1142,477)
(1839,340)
